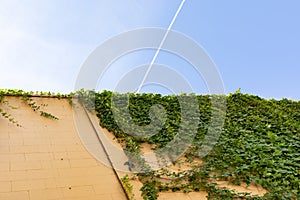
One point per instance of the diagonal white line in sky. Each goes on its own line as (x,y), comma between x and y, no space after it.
(160,46)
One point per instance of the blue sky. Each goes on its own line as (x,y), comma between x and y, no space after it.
(255,44)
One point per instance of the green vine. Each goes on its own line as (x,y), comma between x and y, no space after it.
(149,189)
(36,108)
(259,144)
(26,96)
(48,115)
(9,117)
(5,114)
(128,187)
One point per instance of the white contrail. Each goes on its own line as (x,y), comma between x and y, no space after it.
(161,44)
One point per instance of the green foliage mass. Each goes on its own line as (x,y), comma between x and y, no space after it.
(260,140)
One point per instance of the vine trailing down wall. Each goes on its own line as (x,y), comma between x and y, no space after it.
(27,98)
(259,144)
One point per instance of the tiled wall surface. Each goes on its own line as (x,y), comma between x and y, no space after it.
(45,159)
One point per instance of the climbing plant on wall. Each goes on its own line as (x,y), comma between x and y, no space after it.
(27,97)
(259,144)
